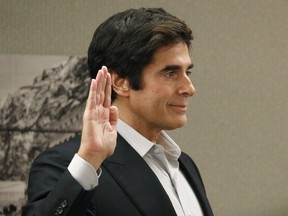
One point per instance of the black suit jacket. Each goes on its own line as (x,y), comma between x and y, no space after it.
(126,187)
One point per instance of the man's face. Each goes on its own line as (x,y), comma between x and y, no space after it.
(162,102)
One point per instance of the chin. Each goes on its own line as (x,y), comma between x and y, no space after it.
(176,124)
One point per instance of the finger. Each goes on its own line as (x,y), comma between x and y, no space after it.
(107,96)
(91,101)
(99,82)
(104,81)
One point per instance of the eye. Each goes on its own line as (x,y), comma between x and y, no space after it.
(188,73)
(170,74)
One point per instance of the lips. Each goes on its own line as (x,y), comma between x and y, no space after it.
(179,107)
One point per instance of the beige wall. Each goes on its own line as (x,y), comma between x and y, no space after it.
(237,129)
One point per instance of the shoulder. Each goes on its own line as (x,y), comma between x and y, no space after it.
(63,152)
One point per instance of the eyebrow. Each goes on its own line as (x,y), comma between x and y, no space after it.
(176,67)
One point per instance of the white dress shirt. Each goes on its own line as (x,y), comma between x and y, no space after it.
(162,158)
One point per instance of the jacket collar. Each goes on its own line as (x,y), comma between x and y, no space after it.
(191,172)
(127,167)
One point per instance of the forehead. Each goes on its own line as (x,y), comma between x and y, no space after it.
(176,54)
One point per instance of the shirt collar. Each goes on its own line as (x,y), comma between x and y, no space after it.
(171,149)
(143,145)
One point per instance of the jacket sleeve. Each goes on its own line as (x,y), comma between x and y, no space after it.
(51,188)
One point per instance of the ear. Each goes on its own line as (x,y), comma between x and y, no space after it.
(120,85)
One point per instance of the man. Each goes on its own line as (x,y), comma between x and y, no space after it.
(124,163)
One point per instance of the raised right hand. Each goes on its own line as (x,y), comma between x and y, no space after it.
(99,133)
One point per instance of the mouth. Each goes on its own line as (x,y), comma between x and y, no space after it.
(181,108)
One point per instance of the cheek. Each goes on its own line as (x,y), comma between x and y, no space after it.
(156,96)
(162,95)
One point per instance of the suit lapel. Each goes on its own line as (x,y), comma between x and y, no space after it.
(137,180)
(192,175)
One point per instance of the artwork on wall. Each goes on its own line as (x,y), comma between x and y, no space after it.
(42,99)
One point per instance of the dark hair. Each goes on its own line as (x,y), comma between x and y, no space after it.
(127,41)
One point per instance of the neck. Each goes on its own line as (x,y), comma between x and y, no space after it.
(148,131)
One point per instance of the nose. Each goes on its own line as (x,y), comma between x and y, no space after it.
(186,89)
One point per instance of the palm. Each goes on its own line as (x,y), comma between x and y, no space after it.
(100,132)
(99,121)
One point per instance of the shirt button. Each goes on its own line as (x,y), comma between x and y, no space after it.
(156,150)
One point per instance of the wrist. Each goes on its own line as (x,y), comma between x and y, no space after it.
(95,159)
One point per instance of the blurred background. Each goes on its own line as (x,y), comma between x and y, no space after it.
(237,129)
